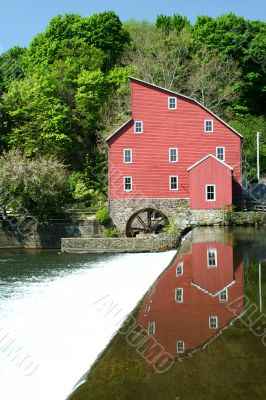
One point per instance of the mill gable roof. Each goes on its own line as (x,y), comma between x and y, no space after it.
(153,86)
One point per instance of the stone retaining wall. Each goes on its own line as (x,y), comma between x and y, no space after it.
(46,236)
(82,235)
(147,243)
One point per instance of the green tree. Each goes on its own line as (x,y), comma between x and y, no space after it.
(243,41)
(177,22)
(103,31)
(37,121)
(160,57)
(11,66)
(214,81)
(248,125)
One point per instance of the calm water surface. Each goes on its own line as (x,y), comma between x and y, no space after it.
(199,332)
(51,327)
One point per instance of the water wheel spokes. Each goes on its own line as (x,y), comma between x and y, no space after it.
(148,220)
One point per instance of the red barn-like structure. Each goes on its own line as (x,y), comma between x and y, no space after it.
(172,153)
(215,174)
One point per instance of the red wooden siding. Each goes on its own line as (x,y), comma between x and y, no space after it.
(210,171)
(189,321)
(163,128)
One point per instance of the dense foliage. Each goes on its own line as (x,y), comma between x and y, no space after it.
(37,187)
(65,93)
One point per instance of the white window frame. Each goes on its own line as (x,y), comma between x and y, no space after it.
(180,266)
(181,295)
(213,317)
(136,128)
(206,191)
(169,102)
(226,296)
(182,344)
(151,328)
(128,190)
(208,258)
(176,154)
(170,182)
(127,162)
(220,147)
(205,125)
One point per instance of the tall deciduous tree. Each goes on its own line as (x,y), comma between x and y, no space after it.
(161,57)
(103,31)
(249,125)
(37,121)
(214,80)
(11,66)
(243,41)
(177,22)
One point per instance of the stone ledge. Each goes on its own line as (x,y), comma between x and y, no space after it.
(151,243)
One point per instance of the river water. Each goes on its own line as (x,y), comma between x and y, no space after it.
(51,329)
(200,331)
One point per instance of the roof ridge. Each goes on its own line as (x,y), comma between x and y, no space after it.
(205,158)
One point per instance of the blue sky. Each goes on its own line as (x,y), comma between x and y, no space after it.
(21,20)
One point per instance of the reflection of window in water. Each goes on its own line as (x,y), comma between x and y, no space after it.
(179,295)
(212,258)
(151,328)
(223,296)
(179,269)
(180,346)
(213,322)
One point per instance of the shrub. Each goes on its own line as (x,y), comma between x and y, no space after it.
(39,186)
(111,232)
(172,228)
(102,216)
(79,188)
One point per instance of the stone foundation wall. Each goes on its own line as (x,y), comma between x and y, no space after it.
(120,210)
(178,209)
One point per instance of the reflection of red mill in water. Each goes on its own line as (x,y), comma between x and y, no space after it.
(190,303)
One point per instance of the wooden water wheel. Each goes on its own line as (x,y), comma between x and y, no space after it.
(147,220)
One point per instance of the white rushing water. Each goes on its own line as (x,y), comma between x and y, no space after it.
(62,324)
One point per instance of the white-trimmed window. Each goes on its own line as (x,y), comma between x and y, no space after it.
(180,346)
(173,154)
(208,125)
(212,258)
(172,103)
(127,183)
(179,269)
(138,126)
(223,296)
(210,192)
(179,295)
(173,182)
(151,328)
(127,156)
(220,153)
(213,322)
